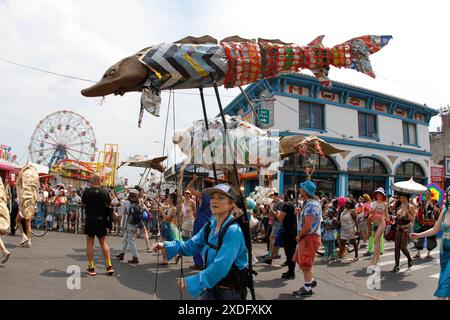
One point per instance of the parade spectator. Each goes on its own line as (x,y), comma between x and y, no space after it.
(362,219)
(442,224)
(404,217)
(169,231)
(188,224)
(275,209)
(51,206)
(73,206)
(330,236)
(349,229)
(131,210)
(289,232)
(427,216)
(117,215)
(202,215)
(142,227)
(378,217)
(308,238)
(61,207)
(97,203)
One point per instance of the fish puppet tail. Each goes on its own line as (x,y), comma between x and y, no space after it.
(354,53)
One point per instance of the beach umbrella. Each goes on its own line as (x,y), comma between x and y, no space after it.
(409,186)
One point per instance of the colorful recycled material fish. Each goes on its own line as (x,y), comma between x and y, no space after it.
(201,62)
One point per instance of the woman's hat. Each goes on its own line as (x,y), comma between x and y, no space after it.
(380,191)
(341,202)
(309,187)
(222,188)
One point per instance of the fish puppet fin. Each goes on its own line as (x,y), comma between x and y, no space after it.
(317,42)
(357,52)
(322,76)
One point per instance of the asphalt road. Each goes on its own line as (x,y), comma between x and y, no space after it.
(40,272)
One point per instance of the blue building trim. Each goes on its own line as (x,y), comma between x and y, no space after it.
(281,182)
(277,86)
(365,144)
(345,184)
(339,185)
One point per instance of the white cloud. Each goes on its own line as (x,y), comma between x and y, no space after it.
(83,38)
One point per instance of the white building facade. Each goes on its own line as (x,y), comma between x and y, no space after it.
(384,138)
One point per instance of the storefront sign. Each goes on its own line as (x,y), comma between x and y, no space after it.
(437,174)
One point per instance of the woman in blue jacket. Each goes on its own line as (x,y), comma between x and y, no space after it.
(225,273)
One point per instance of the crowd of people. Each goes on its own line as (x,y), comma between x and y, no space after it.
(303,224)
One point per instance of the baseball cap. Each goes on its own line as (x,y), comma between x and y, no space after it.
(222,188)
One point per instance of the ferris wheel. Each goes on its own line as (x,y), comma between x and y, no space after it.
(62,135)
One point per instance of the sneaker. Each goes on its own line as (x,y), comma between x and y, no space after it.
(368,254)
(109,271)
(23,241)
(27,244)
(288,276)
(313,284)
(91,272)
(6,257)
(302,292)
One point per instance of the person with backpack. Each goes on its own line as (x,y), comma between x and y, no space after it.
(133,214)
(225,249)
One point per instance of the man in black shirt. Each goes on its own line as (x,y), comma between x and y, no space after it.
(97,201)
(289,222)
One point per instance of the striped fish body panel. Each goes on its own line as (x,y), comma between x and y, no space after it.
(186,66)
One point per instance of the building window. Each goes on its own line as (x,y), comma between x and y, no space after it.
(365,175)
(311,115)
(410,169)
(367,125)
(409,133)
(365,165)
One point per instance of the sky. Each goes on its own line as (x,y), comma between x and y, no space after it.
(83,38)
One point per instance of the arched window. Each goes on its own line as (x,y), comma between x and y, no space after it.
(365,175)
(367,165)
(410,169)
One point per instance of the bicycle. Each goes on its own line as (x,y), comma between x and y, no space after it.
(39,227)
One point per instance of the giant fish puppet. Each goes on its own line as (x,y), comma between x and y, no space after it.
(201,62)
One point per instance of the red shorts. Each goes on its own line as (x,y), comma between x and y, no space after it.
(306,251)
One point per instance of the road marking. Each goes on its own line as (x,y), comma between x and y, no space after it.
(421,266)
(386,263)
(435,276)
